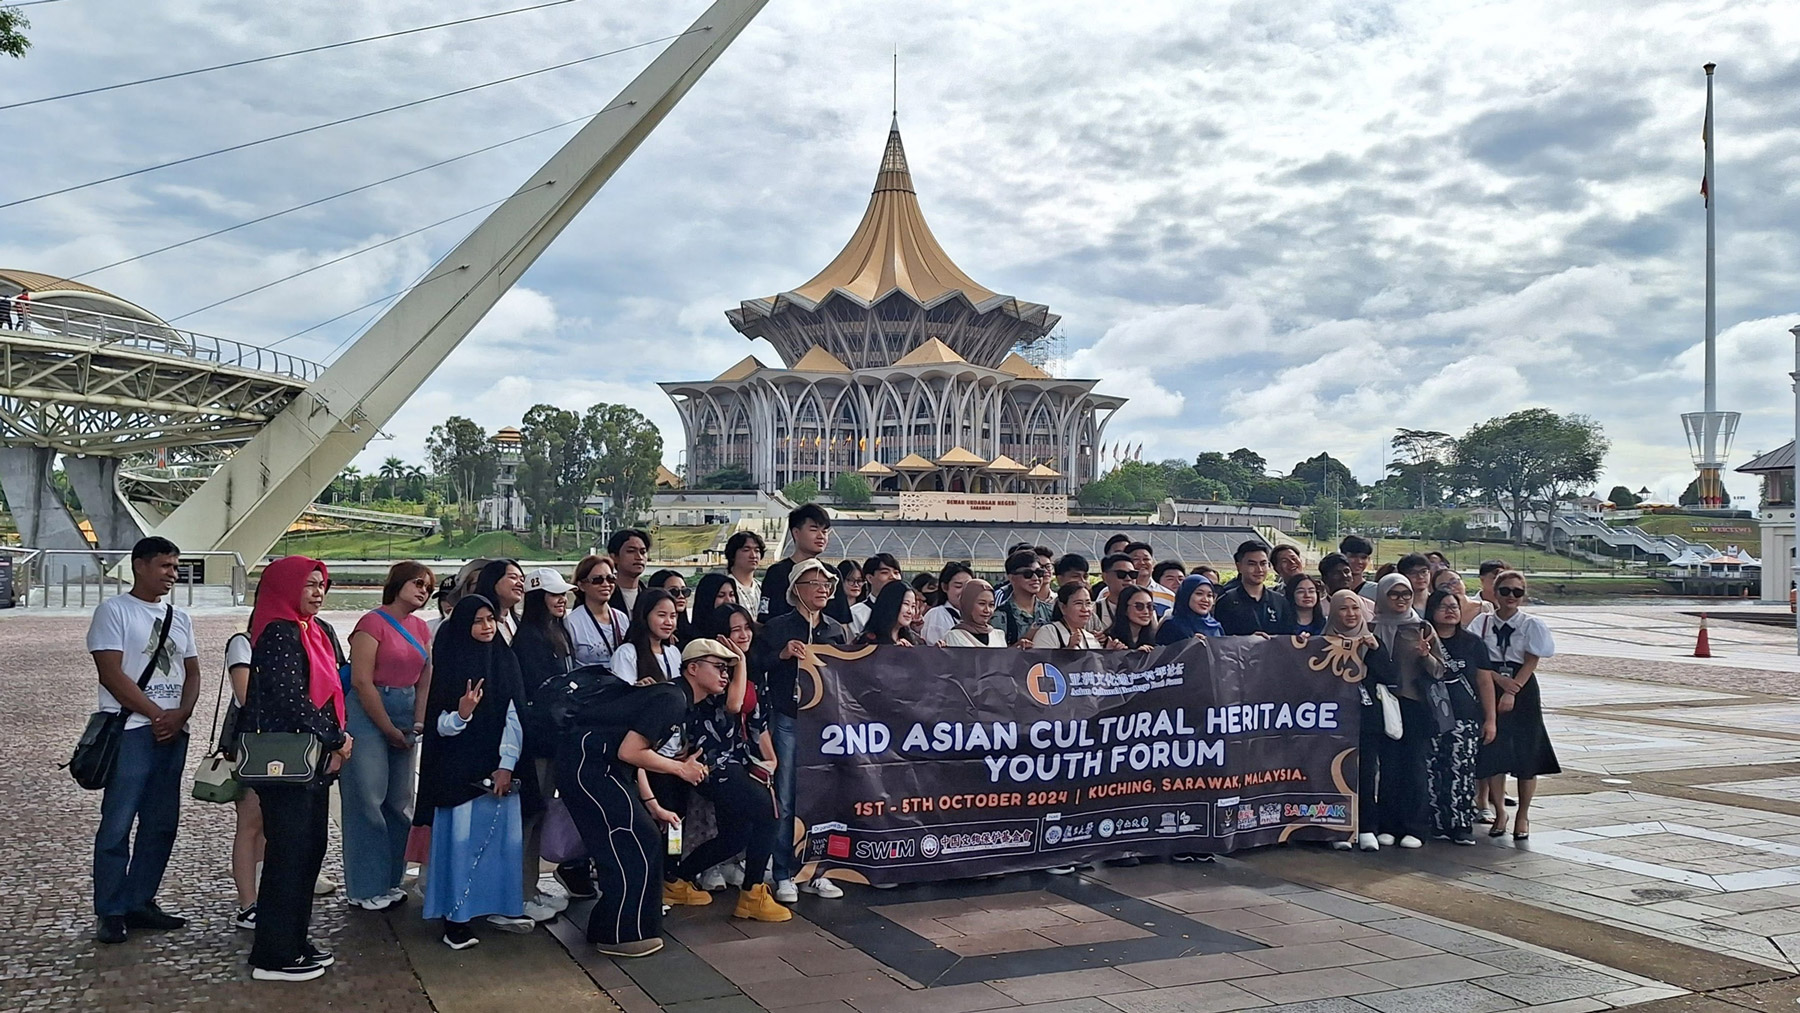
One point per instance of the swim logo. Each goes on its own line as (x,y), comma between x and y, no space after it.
(1046,685)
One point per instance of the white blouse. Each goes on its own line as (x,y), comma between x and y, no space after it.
(1056,635)
(625,662)
(1530,635)
(958,637)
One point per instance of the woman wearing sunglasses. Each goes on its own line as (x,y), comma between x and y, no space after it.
(596,628)
(1521,747)
(677,586)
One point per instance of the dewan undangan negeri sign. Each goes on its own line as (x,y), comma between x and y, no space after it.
(933,763)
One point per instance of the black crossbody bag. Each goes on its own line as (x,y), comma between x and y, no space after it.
(98,750)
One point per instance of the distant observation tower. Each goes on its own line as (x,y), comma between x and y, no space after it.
(1709,432)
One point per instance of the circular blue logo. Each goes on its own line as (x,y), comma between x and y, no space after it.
(1046,685)
(1106,828)
(1053,833)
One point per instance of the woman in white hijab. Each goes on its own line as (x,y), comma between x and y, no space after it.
(1349,620)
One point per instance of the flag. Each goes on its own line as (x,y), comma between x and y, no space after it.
(1706,146)
(1138,454)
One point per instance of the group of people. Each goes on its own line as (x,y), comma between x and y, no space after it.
(615,701)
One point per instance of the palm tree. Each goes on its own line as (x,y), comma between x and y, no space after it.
(351,480)
(415,481)
(392,470)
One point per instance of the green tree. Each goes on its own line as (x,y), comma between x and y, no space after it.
(729,477)
(627,450)
(1325,476)
(801,491)
(1524,462)
(851,490)
(415,482)
(1323,518)
(392,471)
(1229,471)
(1622,498)
(1421,462)
(460,452)
(1285,491)
(12,32)
(557,471)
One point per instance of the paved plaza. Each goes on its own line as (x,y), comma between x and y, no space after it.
(1662,874)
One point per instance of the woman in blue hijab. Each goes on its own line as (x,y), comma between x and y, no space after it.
(1191,615)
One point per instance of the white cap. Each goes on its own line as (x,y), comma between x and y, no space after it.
(546,579)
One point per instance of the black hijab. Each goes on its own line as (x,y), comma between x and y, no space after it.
(451,767)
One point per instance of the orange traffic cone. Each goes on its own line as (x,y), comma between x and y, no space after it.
(1702,646)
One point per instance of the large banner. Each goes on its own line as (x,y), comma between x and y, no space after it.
(932,763)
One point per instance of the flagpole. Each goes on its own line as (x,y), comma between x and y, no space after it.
(1712,352)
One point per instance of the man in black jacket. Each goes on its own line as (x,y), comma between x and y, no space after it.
(776,654)
(1250,607)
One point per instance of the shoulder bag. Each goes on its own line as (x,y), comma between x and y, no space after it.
(1391,723)
(283,757)
(216,779)
(98,749)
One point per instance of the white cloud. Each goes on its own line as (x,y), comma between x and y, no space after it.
(1291,227)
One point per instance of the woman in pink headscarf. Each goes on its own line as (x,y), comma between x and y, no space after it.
(294,687)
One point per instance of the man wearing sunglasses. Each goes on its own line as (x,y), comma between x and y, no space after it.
(1024,610)
(1116,575)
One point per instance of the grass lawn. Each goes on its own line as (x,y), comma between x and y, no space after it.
(1466,556)
(1715,531)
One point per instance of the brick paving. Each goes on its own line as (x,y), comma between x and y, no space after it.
(1711,754)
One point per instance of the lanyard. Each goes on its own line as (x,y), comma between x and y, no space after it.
(605,641)
(662,659)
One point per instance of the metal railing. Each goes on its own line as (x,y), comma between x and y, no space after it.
(83,578)
(106,329)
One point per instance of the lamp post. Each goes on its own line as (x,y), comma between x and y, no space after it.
(1794,481)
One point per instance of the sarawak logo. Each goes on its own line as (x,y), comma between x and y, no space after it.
(1046,685)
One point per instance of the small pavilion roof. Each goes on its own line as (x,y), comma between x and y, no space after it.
(818,360)
(1015,364)
(913,462)
(746,366)
(932,353)
(1005,464)
(875,469)
(961,457)
(1043,471)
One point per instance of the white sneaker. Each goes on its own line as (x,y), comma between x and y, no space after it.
(1340,845)
(1409,841)
(786,892)
(1061,870)
(555,902)
(506,923)
(1368,842)
(822,887)
(1385,840)
(379,902)
(397,894)
(539,912)
(323,887)
(712,879)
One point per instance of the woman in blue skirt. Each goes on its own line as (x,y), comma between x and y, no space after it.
(472,742)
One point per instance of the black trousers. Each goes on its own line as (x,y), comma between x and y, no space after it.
(295,824)
(1368,769)
(745,808)
(620,836)
(1405,799)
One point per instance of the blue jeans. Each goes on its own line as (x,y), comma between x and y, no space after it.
(146,789)
(784,734)
(376,795)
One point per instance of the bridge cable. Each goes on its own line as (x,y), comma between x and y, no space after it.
(354,253)
(322,200)
(266,59)
(349,119)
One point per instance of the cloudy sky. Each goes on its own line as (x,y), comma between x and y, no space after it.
(1290,226)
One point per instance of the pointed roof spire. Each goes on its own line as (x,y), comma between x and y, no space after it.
(893,248)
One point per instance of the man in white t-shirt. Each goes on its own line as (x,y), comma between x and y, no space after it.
(128,640)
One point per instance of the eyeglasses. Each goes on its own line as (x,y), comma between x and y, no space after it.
(1027,574)
(815,583)
(1124,574)
(679,592)
(1404,593)
(718,663)
(1510,592)
(1141,606)
(608,579)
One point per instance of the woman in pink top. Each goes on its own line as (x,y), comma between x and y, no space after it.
(390,677)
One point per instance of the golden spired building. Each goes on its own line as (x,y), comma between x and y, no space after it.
(897,366)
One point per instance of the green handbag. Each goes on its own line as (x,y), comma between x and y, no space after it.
(279,758)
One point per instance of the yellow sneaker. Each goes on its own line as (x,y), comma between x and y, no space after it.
(756,904)
(683,892)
